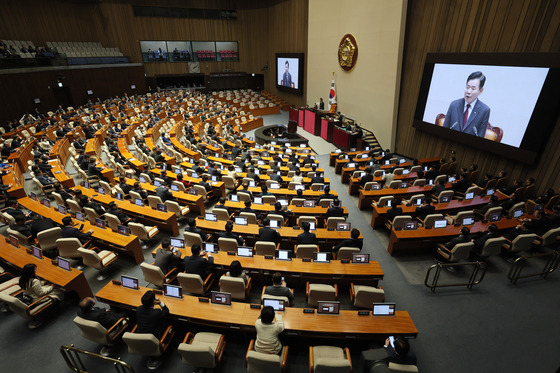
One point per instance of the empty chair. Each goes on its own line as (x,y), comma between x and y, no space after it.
(317,186)
(251,217)
(227,244)
(258,362)
(244,196)
(99,260)
(345,253)
(402,368)
(194,284)
(203,350)
(235,286)
(445,194)
(229,182)
(382,202)
(177,209)
(333,221)
(144,233)
(306,250)
(95,332)
(269,199)
(221,214)
(411,200)
(438,178)
(325,202)
(113,221)
(327,359)
(201,191)
(91,214)
(147,178)
(265,248)
(105,186)
(154,275)
(68,248)
(398,222)
(363,296)
(153,201)
(369,185)
(320,292)
(458,219)
(47,238)
(419,182)
(147,344)
(180,186)
(74,206)
(429,220)
(523,242)
(33,312)
(550,238)
(297,201)
(458,252)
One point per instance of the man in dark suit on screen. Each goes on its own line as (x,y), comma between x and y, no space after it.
(287,77)
(469,114)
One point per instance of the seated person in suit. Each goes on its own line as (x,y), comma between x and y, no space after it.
(462,238)
(278,210)
(222,204)
(264,191)
(236,270)
(268,234)
(252,175)
(138,189)
(425,210)
(461,184)
(191,227)
(13,208)
(165,256)
(367,177)
(492,232)
(105,317)
(431,174)
(248,208)
(40,225)
(267,341)
(196,263)
(205,183)
(68,231)
(187,184)
(276,176)
(84,201)
(164,193)
(494,202)
(326,194)
(279,288)
(306,237)
(353,241)
(213,170)
(508,191)
(21,225)
(229,234)
(540,224)
(438,188)
(317,179)
(244,189)
(149,319)
(395,210)
(115,210)
(44,179)
(335,210)
(64,192)
(399,354)
(124,186)
(555,216)
(482,183)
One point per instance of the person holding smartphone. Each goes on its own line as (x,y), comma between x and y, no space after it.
(398,350)
(165,255)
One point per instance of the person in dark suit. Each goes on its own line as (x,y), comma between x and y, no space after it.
(21,225)
(492,232)
(438,188)
(287,77)
(164,193)
(105,317)
(539,225)
(279,288)
(196,263)
(165,256)
(469,114)
(248,208)
(462,238)
(64,193)
(395,210)
(222,204)
(353,241)
(336,210)
(268,234)
(367,177)
(462,184)
(40,225)
(149,319)
(494,202)
(306,237)
(229,234)
(191,227)
(115,210)
(326,194)
(425,210)
(317,179)
(252,175)
(68,231)
(399,354)
(276,176)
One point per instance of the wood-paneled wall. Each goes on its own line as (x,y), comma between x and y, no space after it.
(481,26)
(263,27)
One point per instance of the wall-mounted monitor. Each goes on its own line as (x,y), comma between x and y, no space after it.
(290,68)
(502,103)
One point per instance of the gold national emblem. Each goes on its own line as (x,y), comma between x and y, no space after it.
(347,52)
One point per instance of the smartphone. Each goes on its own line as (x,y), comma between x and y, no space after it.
(283,279)
(174,249)
(81,226)
(392,341)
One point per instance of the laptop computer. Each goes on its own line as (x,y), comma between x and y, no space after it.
(178,243)
(328,308)
(359,258)
(321,257)
(451,179)
(283,255)
(418,201)
(258,200)
(221,298)
(490,192)
(406,172)
(86,184)
(208,216)
(312,226)
(468,221)
(299,187)
(469,196)
(308,203)
(157,183)
(193,192)
(275,186)
(383,309)
(62,209)
(177,170)
(174,188)
(283,202)
(194,175)
(274,224)
(234,198)
(172,291)
(129,282)
(277,304)
(245,251)
(252,184)
(445,199)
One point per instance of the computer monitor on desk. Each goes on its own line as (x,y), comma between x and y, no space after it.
(172,291)
(328,308)
(129,282)
(37,252)
(283,255)
(321,257)
(178,243)
(277,304)
(383,309)
(221,298)
(210,247)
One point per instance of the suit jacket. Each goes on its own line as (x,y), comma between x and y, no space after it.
(366,179)
(279,291)
(349,242)
(392,212)
(477,122)
(306,238)
(106,318)
(164,193)
(198,231)
(269,234)
(335,211)
(198,265)
(71,232)
(457,240)
(480,241)
(317,180)
(423,211)
(151,320)
(232,235)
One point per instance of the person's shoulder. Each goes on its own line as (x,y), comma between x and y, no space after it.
(458,102)
(481,105)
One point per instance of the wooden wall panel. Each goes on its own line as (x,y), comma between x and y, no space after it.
(480,26)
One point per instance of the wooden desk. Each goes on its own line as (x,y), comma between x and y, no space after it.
(129,245)
(344,139)
(60,173)
(14,176)
(285,192)
(423,238)
(240,316)
(354,186)
(22,155)
(166,221)
(219,187)
(72,280)
(367,196)
(93,147)
(134,162)
(195,203)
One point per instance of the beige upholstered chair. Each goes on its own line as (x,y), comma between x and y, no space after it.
(346,253)
(235,286)
(177,209)
(147,344)
(265,248)
(327,359)
(34,312)
(309,219)
(382,202)
(333,221)
(191,239)
(306,250)
(113,221)
(47,238)
(221,214)
(153,201)
(203,350)
(193,284)
(429,220)
(100,260)
(320,292)
(363,296)
(458,252)
(398,222)
(523,242)
(258,362)
(95,332)
(154,275)
(492,247)
(402,368)
(74,206)
(251,217)
(144,233)
(278,297)
(227,244)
